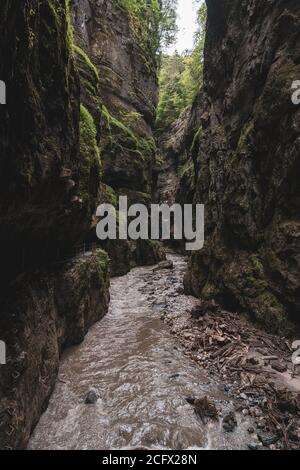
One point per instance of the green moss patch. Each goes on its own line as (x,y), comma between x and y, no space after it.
(90,164)
(121,135)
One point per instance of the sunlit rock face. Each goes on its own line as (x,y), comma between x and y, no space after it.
(128,88)
(243,137)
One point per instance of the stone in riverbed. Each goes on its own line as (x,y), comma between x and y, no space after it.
(92,397)
(253,361)
(160,303)
(174,376)
(268,440)
(204,408)
(252,446)
(164,265)
(261,423)
(243,396)
(229,422)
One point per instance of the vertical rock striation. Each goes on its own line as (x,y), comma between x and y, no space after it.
(45,201)
(44,313)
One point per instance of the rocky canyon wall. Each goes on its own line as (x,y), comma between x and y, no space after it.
(241,147)
(50,174)
(111,42)
(76,132)
(43,313)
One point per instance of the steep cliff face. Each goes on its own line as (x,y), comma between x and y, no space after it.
(243,137)
(50,176)
(128,89)
(123,103)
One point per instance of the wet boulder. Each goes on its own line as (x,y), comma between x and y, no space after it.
(92,397)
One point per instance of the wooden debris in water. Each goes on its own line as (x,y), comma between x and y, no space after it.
(249,361)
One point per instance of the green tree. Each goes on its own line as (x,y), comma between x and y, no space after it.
(173,97)
(181,77)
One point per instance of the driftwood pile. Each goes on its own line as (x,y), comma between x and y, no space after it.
(204,408)
(249,361)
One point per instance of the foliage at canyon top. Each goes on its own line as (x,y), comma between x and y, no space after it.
(181,76)
(154,22)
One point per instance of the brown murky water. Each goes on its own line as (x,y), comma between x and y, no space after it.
(141,375)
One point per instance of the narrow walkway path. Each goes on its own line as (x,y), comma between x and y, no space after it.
(141,375)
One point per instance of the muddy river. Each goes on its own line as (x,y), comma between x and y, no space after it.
(141,375)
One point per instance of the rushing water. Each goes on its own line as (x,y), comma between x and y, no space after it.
(141,375)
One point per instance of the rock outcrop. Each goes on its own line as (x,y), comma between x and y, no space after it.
(128,88)
(243,139)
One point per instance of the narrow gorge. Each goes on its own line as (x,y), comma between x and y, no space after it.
(139,344)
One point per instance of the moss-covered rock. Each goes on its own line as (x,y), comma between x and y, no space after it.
(118,75)
(89,85)
(128,150)
(126,254)
(149,252)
